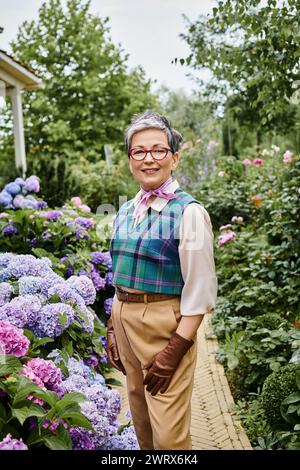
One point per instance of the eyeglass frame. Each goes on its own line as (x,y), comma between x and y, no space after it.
(149,151)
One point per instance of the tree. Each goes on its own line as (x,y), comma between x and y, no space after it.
(89,94)
(192,115)
(252,49)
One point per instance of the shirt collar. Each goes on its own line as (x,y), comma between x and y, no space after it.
(159,202)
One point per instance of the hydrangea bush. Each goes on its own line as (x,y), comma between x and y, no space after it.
(54,312)
(73,238)
(42,406)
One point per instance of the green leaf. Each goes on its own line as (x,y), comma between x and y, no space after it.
(24,388)
(61,441)
(292,398)
(48,396)
(71,398)
(111,381)
(25,412)
(9,364)
(3,416)
(77,419)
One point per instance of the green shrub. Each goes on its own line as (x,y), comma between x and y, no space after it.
(271,321)
(277,387)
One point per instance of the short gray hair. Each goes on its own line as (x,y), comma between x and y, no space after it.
(151,120)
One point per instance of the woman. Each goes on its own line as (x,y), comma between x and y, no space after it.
(164,275)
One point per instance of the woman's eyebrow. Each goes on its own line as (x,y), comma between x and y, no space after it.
(154,145)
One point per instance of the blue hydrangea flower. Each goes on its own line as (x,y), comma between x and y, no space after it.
(5,199)
(12,188)
(6,290)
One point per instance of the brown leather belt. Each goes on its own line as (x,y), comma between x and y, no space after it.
(131,297)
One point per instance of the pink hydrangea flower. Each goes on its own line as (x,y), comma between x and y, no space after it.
(237,218)
(76,201)
(29,373)
(226,238)
(287,157)
(12,340)
(221,173)
(225,227)
(84,208)
(247,162)
(46,371)
(258,161)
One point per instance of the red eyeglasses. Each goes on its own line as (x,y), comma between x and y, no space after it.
(158,153)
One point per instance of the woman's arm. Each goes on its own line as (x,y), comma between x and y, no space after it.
(188,326)
(197,264)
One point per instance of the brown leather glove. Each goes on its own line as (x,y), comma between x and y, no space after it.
(165,363)
(112,348)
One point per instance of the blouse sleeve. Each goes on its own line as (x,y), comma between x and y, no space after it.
(197,263)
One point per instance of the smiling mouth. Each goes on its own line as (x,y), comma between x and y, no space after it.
(150,170)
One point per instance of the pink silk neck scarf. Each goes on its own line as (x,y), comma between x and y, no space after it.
(162,191)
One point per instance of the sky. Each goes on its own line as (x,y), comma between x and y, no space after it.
(147,30)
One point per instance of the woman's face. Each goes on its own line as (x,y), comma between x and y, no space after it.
(143,171)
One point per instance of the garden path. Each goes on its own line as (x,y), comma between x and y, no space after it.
(214,424)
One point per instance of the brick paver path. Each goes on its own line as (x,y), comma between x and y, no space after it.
(214,425)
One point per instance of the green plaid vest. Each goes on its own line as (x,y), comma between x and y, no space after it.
(145,257)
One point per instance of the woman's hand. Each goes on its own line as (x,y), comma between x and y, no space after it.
(164,364)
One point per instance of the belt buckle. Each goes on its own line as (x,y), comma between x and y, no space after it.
(126,296)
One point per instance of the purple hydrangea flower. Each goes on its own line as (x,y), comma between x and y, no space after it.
(85,222)
(42,205)
(98,280)
(32,184)
(104,257)
(108,278)
(33,242)
(27,203)
(18,200)
(108,305)
(86,319)
(54,319)
(28,265)
(8,443)
(12,340)
(81,439)
(9,230)
(22,311)
(53,215)
(92,361)
(84,287)
(125,441)
(81,233)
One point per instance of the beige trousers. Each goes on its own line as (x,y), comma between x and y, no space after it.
(142,330)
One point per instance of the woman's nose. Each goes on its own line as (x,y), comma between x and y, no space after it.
(148,157)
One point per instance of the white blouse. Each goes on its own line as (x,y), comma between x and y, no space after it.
(196,256)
